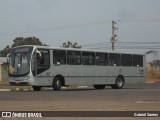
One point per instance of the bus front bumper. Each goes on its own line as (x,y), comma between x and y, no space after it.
(19,81)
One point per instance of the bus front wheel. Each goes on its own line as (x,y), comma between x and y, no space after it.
(99,86)
(57,84)
(36,88)
(119,83)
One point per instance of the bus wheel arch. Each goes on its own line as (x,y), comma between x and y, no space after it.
(119,83)
(58,82)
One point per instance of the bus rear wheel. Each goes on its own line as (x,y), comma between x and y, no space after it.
(36,88)
(99,86)
(119,83)
(57,84)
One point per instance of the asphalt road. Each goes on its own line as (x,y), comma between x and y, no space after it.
(130,92)
(134,97)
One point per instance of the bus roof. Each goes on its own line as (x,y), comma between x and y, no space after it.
(77,49)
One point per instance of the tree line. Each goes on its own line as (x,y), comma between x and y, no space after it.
(18,41)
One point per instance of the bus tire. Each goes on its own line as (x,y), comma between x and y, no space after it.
(119,83)
(57,84)
(99,86)
(36,88)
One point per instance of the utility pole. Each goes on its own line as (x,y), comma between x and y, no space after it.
(113,38)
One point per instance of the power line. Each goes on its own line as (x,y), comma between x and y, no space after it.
(155,20)
(56,28)
(76,26)
(124,45)
(95,44)
(120,43)
(137,48)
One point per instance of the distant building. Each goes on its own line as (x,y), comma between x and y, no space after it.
(3,70)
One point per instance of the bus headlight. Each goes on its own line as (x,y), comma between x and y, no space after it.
(27,77)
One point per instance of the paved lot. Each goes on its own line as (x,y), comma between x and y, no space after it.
(135,97)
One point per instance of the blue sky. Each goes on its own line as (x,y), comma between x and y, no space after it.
(82,21)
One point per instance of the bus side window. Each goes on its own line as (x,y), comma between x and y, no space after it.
(59,57)
(101,59)
(88,58)
(73,57)
(114,59)
(126,60)
(137,60)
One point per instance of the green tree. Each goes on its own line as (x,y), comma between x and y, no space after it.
(18,41)
(71,45)
(26,41)
(5,51)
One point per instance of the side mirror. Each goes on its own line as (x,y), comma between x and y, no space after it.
(39,53)
(8,55)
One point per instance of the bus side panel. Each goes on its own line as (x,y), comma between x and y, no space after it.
(86,75)
(43,80)
(89,80)
(133,74)
(91,75)
(138,79)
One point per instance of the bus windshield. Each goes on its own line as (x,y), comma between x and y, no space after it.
(19,61)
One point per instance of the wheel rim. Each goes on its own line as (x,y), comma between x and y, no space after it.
(58,83)
(119,82)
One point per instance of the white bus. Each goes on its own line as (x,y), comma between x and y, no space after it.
(42,66)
